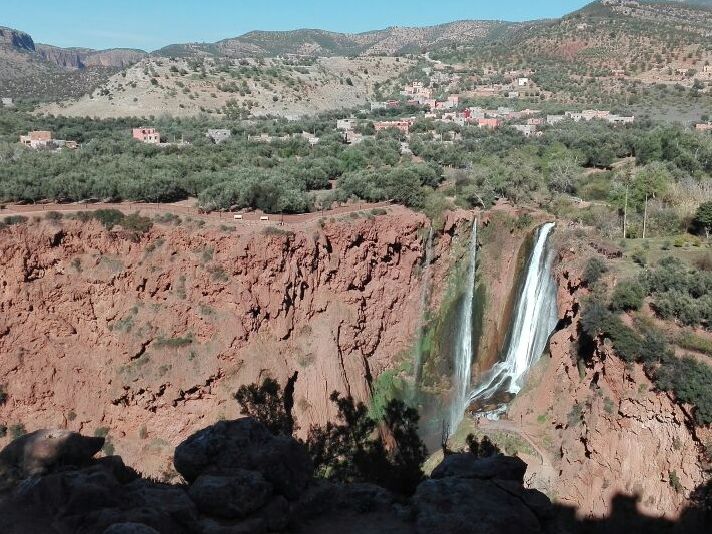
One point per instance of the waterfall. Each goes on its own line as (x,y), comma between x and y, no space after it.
(423,305)
(463,347)
(535,318)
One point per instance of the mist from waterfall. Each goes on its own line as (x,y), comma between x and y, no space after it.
(463,347)
(534,320)
(427,277)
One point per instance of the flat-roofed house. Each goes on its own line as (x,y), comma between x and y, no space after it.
(147,135)
(37,139)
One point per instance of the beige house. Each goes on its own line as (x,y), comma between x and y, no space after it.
(36,139)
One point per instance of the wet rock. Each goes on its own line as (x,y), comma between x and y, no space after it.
(246,444)
(231,497)
(468,466)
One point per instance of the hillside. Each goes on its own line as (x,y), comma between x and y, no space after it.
(312,42)
(236,88)
(30,70)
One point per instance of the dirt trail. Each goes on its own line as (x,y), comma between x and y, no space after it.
(547,473)
(251,219)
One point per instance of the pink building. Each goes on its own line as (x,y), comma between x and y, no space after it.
(704,127)
(402,125)
(147,135)
(489,123)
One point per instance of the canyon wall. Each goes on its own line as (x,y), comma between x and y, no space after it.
(147,340)
(603,429)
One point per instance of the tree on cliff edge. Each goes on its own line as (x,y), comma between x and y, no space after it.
(358,448)
(269,405)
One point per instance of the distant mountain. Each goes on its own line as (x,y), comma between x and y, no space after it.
(39,71)
(81,58)
(14,41)
(391,41)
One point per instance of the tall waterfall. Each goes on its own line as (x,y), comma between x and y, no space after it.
(534,320)
(424,304)
(463,347)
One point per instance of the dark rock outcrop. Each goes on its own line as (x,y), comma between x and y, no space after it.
(243,479)
(468,466)
(480,495)
(233,496)
(233,446)
(37,453)
(16,40)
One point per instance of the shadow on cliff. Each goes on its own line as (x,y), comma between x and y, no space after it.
(626,518)
(242,478)
(252,476)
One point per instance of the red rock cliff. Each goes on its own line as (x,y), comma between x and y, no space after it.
(150,339)
(604,428)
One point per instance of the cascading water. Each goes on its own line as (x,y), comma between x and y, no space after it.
(534,320)
(424,304)
(463,346)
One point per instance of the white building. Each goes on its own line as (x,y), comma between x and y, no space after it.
(311,138)
(346,124)
(553,119)
(8,103)
(218,136)
(528,130)
(378,105)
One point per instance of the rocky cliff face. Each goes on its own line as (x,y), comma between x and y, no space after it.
(15,39)
(80,58)
(147,341)
(604,428)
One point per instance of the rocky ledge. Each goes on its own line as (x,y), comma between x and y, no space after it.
(239,478)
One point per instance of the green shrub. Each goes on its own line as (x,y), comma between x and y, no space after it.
(595,268)
(628,295)
(174,342)
(17,430)
(689,341)
(136,223)
(108,217)
(54,216)
(101,432)
(675,482)
(575,416)
(15,219)
(639,256)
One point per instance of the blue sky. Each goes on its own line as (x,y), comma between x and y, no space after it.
(151,24)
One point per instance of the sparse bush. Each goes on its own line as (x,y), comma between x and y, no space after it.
(108,217)
(136,223)
(628,295)
(575,416)
(675,482)
(483,448)
(15,219)
(54,216)
(595,268)
(17,430)
(269,404)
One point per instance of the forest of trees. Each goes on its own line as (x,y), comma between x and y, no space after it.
(668,167)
